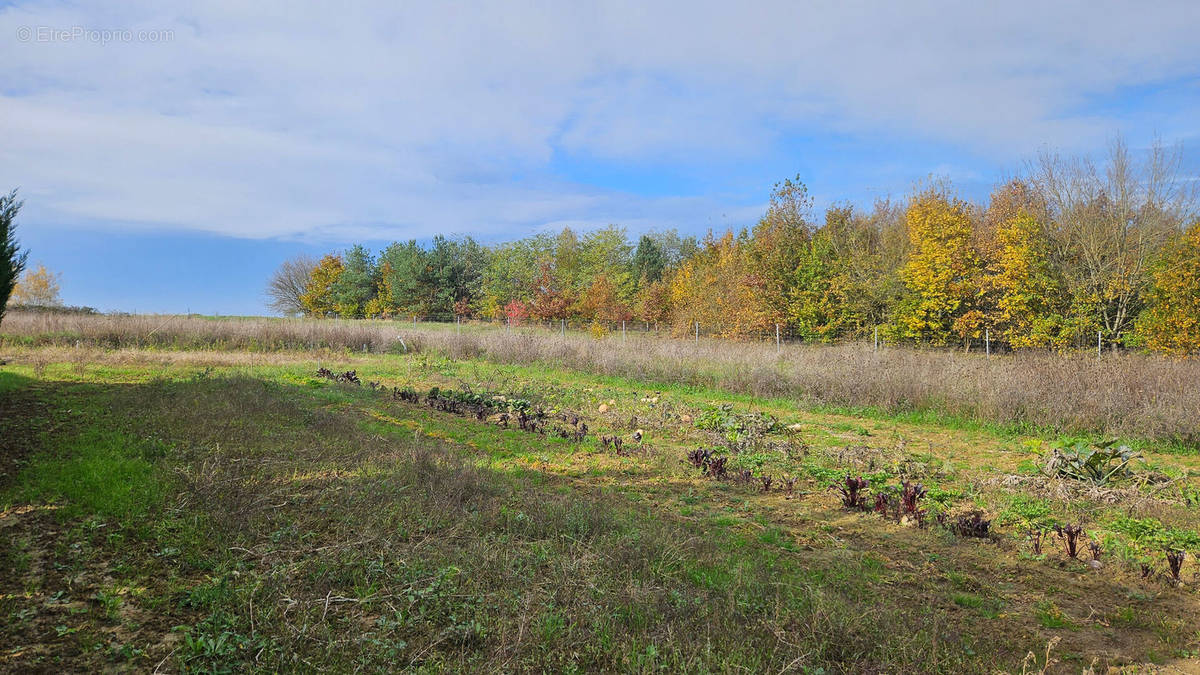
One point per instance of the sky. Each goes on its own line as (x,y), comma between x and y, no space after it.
(171,155)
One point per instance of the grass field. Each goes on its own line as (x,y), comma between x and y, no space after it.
(220,511)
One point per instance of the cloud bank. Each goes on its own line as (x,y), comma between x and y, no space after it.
(396,120)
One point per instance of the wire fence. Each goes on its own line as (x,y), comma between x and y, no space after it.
(780,334)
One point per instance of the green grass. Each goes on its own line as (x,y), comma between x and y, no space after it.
(439,559)
(258,518)
(97,472)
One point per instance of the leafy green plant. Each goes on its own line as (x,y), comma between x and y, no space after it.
(1031,516)
(1149,534)
(740,431)
(1095,463)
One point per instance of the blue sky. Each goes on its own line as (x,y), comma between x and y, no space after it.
(170,163)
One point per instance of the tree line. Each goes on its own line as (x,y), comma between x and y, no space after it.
(1069,251)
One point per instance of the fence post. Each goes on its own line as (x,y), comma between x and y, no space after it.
(876,338)
(697,332)
(622,330)
(776,338)
(1098,346)
(987,340)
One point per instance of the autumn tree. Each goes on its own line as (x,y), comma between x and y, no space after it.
(717,288)
(653,301)
(601,302)
(1111,223)
(37,288)
(940,276)
(778,244)
(516,312)
(551,301)
(288,283)
(1171,321)
(1019,283)
(383,303)
(12,258)
(318,299)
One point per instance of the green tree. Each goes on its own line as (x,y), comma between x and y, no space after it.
(510,272)
(12,258)
(404,264)
(819,307)
(648,261)
(355,286)
(778,243)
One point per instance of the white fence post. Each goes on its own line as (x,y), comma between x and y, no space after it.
(776,338)
(987,340)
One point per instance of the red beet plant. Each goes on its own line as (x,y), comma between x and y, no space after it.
(1175,562)
(853,491)
(910,498)
(1070,534)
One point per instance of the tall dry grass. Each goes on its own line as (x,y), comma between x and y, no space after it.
(114,331)
(1126,394)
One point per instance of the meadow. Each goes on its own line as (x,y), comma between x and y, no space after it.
(222,495)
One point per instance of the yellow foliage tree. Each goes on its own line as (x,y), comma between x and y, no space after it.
(941,275)
(37,287)
(719,289)
(383,304)
(318,297)
(1171,321)
(1027,291)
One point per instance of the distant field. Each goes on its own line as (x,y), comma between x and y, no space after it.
(219,509)
(1130,395)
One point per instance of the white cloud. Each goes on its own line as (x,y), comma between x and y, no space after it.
(407,119)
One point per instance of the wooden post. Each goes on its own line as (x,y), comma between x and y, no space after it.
(876,338)
(987,340)
(697,332)
(776,338)
(622,330)
(1098,345)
